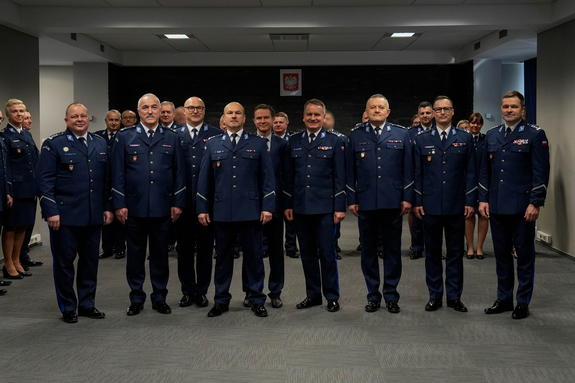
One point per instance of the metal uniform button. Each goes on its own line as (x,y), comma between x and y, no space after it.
(309,166)
(378,176)
(308,176)
(503,151)
(233,176)
(152,172)
(308,186)
(151,182)
(234,186)
(151,152)
(151,162)
(443,181)
(443,161)
(233,167)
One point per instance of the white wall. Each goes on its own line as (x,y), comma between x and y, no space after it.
(56,93)
(555,100)
(512,78)
(91,89)
(487,76)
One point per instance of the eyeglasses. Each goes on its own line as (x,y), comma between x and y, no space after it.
(192,108)
(129,118)
(1,119)
(439,110)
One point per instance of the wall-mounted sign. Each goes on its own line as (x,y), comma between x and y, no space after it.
(290,82)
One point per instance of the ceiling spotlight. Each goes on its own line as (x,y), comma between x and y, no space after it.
(176,36)
(402,34)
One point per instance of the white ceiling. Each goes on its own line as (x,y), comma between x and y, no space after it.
(129,30)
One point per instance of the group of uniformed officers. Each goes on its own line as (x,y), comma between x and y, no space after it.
(233,186)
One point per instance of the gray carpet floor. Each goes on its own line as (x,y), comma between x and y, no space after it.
(294,345)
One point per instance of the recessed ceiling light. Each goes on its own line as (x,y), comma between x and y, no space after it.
(402,34)
(176,36)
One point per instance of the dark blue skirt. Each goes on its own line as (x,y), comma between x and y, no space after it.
(22,213)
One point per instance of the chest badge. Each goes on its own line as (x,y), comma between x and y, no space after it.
(19,151)
(218,164)
(65,149)
(362,154)
(491,156)
(71,167)
(428,158)
(134,158)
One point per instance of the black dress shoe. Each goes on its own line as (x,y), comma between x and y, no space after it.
(266,253)
(443,257)
(135,308)
(70,316)
(202,301)
(416,255)
(25,273)
(31,263)
(380,254)
(309,302)
(521,311)
(120,255)
(277,302)
(457,305)
(292,254)
(106,254)
(260,310)
(372,306)
(92,312)
(337,256)
(26,268)
(433,304)
(358,248)
(500,306)
(332,305)
(5,283)
(3,291)
(480,256)
(247,302)
(171,248)
(470,256)
(186,300)
(218,310)
(8,276)
(236,254)
(392,307)
(337,249)
(161,307)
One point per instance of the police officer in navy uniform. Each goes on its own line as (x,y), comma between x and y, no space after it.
(73,183)
(446,190)
(314,190)
(149,191)
(167,114)
(114,234)
(129,118)
(237,176)
(379,191)
(23,160)
(273,230)
(281,122)
(512,189)
(425,114)
(195,274)
(5,189)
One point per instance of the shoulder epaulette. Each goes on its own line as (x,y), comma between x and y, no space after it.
(424,131)
(495,127)
(56,135)
(337,134)
(463,130)
(100,137)
(534,126)
(128,128)
(358,126)
(217,135)
(398,126)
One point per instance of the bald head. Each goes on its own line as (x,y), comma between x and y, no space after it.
(195,111)
(149,110)
(234,117)
(112,120)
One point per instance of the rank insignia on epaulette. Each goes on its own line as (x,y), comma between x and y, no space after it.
(70,138)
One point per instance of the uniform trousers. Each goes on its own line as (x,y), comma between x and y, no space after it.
(509,230)
(317,231)
(66,243)
(416,234)
(253,264)
(114,237)
(273,231)
(138,231)
(433,229)
(290,236)
(387,223)
(195,273)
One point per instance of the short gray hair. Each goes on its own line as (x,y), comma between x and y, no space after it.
(377,95)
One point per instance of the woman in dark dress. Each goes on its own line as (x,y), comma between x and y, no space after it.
(23,159)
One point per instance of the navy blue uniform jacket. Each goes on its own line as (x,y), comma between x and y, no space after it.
(379,169)
(514,169)
(5,176)
(241,178)
(23,161)
(314,176)
(148,179)
(73,180)
(445,174)
(193,153)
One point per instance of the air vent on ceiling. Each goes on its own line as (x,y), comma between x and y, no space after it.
(73,36)
(477,46)
(290,37)
(503,33)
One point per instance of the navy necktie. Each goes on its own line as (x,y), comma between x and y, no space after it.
(194,132)
(234,135)
(443,136)
(311,138)
(507,132)
(83,140)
